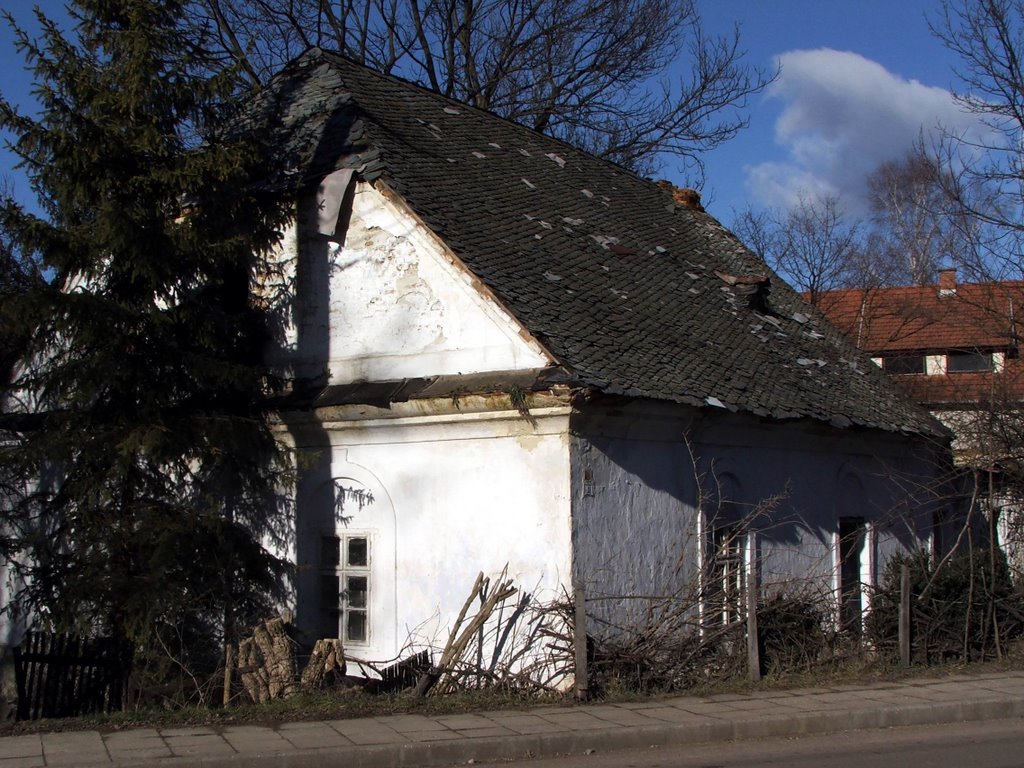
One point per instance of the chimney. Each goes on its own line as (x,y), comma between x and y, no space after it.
(684,197)
(947,281)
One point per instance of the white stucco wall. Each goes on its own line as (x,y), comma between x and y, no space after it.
(386,301)
(454,495)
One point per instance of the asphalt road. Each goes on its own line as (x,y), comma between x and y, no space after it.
(991,744)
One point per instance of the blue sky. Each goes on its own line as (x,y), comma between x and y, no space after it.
(860,80)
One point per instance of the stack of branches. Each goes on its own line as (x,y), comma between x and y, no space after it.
(797,629)
(661,646)
(514,644)
(668,643)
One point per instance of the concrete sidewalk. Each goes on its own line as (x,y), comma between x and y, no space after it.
(418,740)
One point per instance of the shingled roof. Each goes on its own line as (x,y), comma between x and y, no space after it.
(634,294)
(924,318)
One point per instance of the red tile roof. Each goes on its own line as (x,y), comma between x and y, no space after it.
(930,319)
(925,319)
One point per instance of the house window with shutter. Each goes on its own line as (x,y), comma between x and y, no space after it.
(345,587)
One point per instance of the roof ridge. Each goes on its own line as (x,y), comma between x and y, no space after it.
(328,56)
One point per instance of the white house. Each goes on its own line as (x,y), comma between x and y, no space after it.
(510,351)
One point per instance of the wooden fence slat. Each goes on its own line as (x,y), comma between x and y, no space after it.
(36,684)
(62,675)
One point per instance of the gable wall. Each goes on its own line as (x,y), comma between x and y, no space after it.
(383,300)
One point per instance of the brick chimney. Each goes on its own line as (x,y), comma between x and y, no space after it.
(684,197)
(947,281)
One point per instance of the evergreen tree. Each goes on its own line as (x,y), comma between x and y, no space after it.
(140,469)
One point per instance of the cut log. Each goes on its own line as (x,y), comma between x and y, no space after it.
(266,662)
(326,667)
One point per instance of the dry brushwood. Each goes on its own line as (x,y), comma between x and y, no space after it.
(266,662)
(326,667)
(458,641)
(512,641)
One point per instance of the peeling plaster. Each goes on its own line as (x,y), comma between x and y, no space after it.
(398,304)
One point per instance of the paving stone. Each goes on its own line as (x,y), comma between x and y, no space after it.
(206,745)
(444,735)
(20,746)
(526,724)
(368,732)
(724,697)
(378,737)
(199,730)
(575,721)
(624,717)
(464,722)
(136,744)
(680,715)
(407,723)
(75,748)
(144,737)
(22,762)
(313,736)
(647,704)
(767,706)
(251,738)
(494,731)
(85,758)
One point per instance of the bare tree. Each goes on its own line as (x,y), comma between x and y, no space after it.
(915,227)
(814,245)
(591,72)
(985,170)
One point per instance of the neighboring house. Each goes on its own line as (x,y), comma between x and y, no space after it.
(510,351)
(955,349)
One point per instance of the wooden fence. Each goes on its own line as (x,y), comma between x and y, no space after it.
(63,676)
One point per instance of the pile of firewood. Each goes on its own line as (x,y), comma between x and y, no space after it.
(266,662)
(268,666)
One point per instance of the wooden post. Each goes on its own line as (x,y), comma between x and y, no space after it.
(904,625)
(229,671)
(580,640)
(753,648)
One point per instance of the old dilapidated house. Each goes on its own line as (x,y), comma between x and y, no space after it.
(510,351)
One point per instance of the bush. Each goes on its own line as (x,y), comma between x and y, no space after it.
(791,630)
(959,610)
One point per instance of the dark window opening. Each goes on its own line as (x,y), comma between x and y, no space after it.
(938,548)
(968,362)
(852,532)
(902,364)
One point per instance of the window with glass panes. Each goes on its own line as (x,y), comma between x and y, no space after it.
(724,593)
(345,587)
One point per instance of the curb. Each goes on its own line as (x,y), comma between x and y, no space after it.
(615,738)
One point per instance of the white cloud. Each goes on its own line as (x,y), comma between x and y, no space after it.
(842,115)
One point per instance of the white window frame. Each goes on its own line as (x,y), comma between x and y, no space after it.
(338,609)
(865,563)
(725,589)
